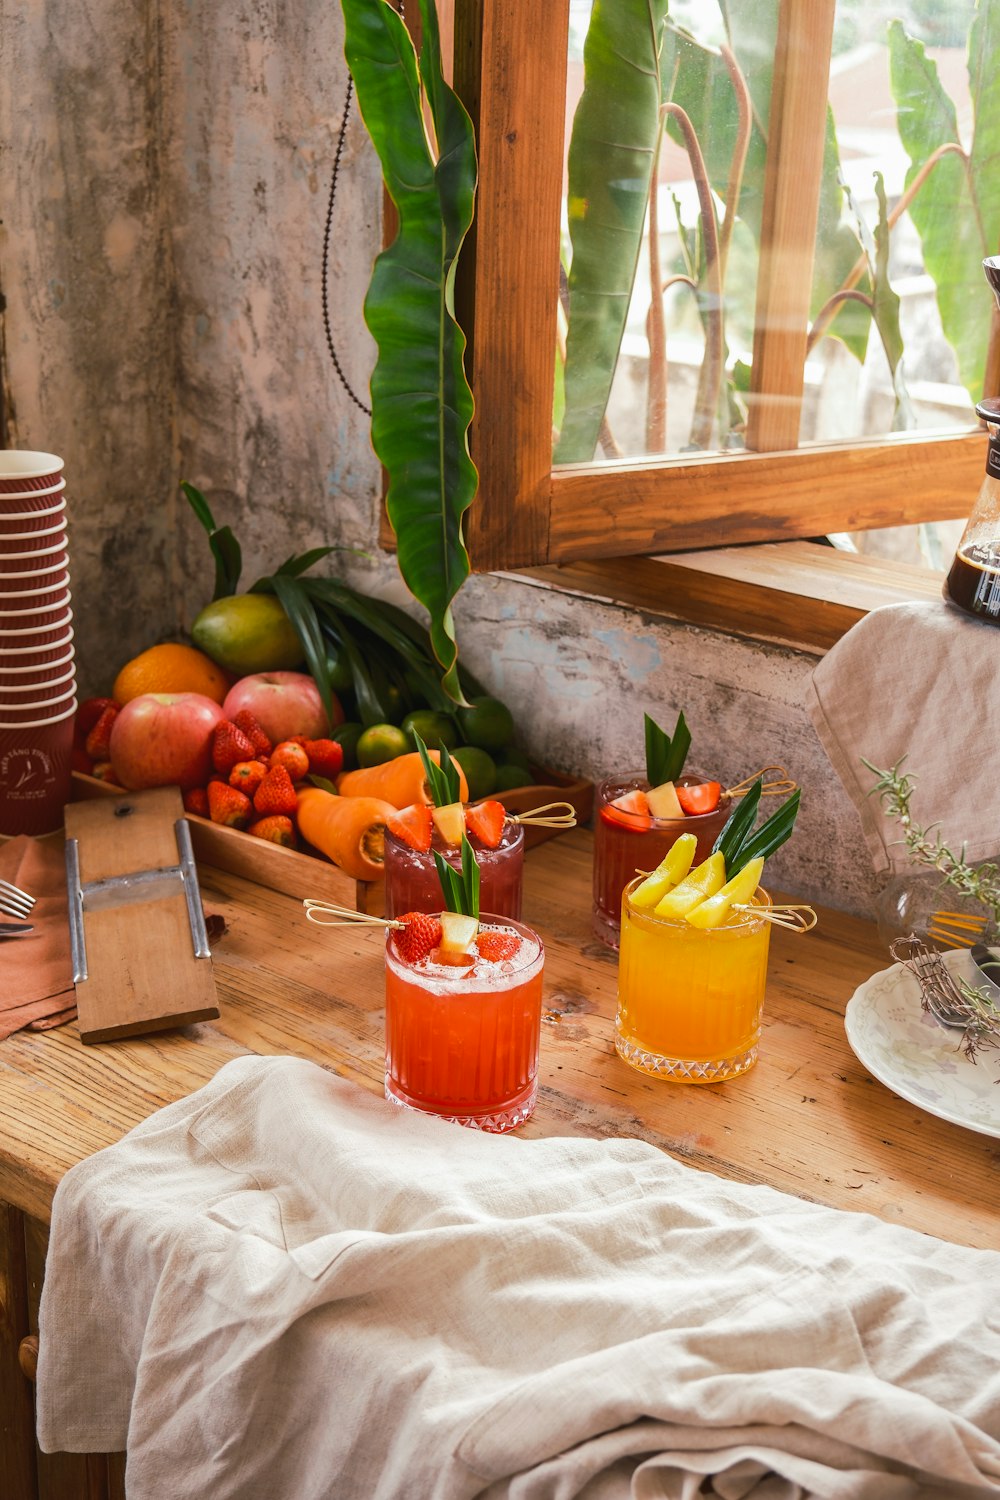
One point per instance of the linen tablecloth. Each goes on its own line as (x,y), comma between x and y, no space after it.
(283,1288)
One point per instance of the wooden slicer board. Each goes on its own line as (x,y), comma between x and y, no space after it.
(142,972)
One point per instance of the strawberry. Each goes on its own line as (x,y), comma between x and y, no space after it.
(229,746)
(88,713)
(276,829)
(196,801)
(292,756)
(419,936)
(81,761)
(326,757)
(104,771)
(412,825)
(262,746)
(486,821)
(228,806)
(496,946)
(98,741)
(276,794)
(247,775)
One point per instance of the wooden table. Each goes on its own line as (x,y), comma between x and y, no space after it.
(807,1119)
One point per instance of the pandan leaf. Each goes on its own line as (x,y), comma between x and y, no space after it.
(302,615)
(421,401)
(769,836)
(295,565)
(442,779)
(460,891)
(665,754)
(225,547)
(739,825)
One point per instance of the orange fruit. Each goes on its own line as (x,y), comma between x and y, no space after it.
(170,668)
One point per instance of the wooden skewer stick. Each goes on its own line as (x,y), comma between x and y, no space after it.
(793,916)
(780,788)
(330,914)
(546,816)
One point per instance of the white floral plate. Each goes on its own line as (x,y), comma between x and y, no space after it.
(908,1051)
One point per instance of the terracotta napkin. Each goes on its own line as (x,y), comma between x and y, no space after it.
(917,681)
(36,972)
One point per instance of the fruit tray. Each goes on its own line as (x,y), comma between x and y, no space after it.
(300,874)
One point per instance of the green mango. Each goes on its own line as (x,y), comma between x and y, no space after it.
(248,633)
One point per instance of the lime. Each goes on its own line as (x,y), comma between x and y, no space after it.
(511,776)
(347,735)
(339,668)
(511,755)
(381,742)
(435,729)
(487,723)
(480,770)
(248,633)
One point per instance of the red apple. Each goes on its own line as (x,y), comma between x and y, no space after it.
(164,739)
(284,704)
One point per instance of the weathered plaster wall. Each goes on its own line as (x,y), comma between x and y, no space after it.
(166,180)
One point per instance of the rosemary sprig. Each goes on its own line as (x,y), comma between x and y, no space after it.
(894,789)
(442,779)
(665,753)
(460,891)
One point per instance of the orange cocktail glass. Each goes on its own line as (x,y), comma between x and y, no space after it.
(462,1042)
(690,1000)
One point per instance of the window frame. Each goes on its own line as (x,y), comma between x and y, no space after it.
(529,513)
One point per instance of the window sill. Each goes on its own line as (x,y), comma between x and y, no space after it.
(796,594)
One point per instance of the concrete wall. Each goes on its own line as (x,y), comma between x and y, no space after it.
(166,180)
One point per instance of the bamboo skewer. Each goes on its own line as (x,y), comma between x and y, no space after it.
(546,816)
(783,787)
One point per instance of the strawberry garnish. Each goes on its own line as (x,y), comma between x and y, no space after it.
(262,746)
(196,801)
(420,935)
(701,798)
(276,794)
(486,821)
(228,806)
(292,756)
(229,746)
(276,829)
(496,946)
(412,825)
(629,811)
(98,741)
(326,757)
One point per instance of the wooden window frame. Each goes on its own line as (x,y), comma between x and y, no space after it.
(508,70)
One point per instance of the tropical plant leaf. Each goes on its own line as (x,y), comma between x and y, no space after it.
(956,210)
(739,824)
(665,753)
(611,153)
(770,836)
(885,300)
(225,547)
(371,708)
(302,613)
(421,401)
(294,566)
(441,778)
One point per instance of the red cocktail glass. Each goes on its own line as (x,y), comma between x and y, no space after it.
(411,878)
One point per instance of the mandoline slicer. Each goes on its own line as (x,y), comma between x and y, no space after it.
(141,960)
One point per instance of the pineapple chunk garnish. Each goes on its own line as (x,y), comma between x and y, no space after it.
(663,802)
(704,880)
(458,933)
(672,868)
(450,821)
(714,910)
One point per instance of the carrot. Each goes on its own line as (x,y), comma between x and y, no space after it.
(400,781)
(348,830)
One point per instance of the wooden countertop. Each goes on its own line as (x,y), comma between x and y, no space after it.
(807,1119)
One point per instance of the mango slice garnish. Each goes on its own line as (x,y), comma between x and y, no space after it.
(714,910)
(704,880)
(672,868)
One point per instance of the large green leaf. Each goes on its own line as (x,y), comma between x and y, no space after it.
(956,210)
(421,400)
(611,154)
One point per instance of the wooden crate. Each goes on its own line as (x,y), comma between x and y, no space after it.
(300,874)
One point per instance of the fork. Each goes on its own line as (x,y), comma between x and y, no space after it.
(951,1002)
(14,901)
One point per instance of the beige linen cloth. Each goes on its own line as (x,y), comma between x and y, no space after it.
(282,1288)
(920,681)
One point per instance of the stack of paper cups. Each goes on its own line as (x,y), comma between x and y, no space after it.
(37,672)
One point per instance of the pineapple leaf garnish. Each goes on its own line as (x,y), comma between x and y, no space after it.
(460,890)
(665,753)
(739,844)
(442,779)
